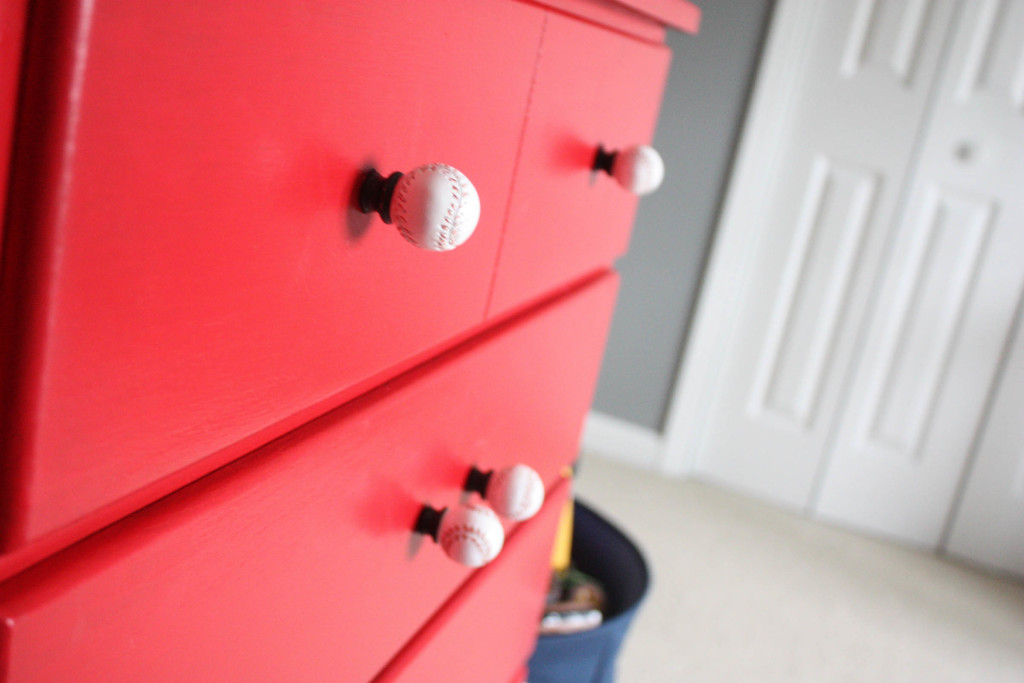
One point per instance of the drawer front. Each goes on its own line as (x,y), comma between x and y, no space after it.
(297,562)
(593,88)
(486,632)
(189,269)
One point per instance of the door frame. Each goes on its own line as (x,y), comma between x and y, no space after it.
(674,449)
(737,235)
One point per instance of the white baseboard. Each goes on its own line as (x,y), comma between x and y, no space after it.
(616,439)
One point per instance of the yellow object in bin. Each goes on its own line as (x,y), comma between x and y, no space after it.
(562,551)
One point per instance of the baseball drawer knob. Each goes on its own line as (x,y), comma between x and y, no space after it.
(471,535)
(434,206)
(639,169)
(515,492)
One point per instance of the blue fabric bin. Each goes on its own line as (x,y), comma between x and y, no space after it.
(604,552)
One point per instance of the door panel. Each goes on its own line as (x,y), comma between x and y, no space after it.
(988,526)
(827,192)
(946,303)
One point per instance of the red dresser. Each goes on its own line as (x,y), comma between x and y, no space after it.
(228,392)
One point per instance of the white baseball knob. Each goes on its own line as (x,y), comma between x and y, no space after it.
(471,535)
(434,206)
(639,169)
(515,492)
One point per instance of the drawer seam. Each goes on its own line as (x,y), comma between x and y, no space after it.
(515,164)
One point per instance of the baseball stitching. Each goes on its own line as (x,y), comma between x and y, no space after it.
(445,238)
(522,503)
(398,211)
(518,507)
(463,532)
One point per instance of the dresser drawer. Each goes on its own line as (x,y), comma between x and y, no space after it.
(298,562)
(486,632)
(593,88)
(186,269)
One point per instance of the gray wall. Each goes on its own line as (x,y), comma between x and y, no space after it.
(705,101)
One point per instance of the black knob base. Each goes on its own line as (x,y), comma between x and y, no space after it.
(429,521)
(477,481)
(375,192)
(604,160)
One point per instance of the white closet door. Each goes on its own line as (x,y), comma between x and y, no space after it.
(817,203)
(946,303)
(989,525)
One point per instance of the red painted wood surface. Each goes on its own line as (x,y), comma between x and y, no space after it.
(679,14)
(593,87)
(186,270)
(296,562)
(644,19)
(12,31)
(610,15)
(488,630)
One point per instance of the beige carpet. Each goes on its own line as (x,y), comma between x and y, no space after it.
(745,592)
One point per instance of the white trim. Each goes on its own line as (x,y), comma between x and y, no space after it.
(736,238)
(616,439)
